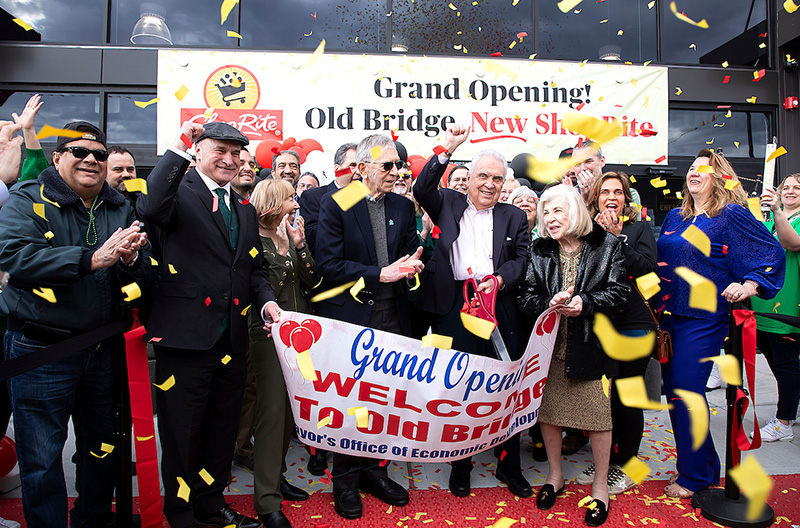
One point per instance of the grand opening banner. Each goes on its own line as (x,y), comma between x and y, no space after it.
(511,105)
(382,395)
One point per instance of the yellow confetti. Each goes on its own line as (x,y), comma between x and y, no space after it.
(106,448)
(788,5)
(780,151)
(153,262)
(647,63)
(777,304)
(679,195)
(145,104)
(333,292)
(751,100)
(357,287)
(584,501)
(236,35)
(568,5)
(206,476)
(225,9)
(167,385)
(667,191)
(762,45)
(480,327)
(246,308)
(703,292)
(648,284)
(48,131)
(46,294)
(503,522)
(181,93)
(725,64)
(495,67)
(633,180)
(306,366)
(605,383)
(317,54)
(136,185)
(636,469)
(731,184)
(693,46)
(591,127)
(619,34)
(736,144)
(98,456)
(131,291)
(362,416)
(729,369)
(658,182)
(253,252)
(511,46)
(325,421)
(27,27)
(754,204)
(754,483)
(49,235)
(451,6)
(698,415)
(416,282)
(172,269)
(632,393)
(144,438)
(651,4)
(349,196)
(695,236)
(38,208)
(710,142)
(618,346)
(208,112)
(604,21)
(226,359)
(437,341)
(183,488)
(678,90)
(706,169)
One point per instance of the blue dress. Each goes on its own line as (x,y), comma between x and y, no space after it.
(741,249)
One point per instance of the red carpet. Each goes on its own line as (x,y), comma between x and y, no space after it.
(647,505)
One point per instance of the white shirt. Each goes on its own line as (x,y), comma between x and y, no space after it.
(213,186)
(471,253)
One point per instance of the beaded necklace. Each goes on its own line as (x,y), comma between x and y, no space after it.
(92,227)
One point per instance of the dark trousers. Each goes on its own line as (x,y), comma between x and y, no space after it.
(247,417)
(782,352)
(628,422)
(348,469)
(450,324)
(197,425)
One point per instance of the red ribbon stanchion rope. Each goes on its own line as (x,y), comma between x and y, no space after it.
(747,320)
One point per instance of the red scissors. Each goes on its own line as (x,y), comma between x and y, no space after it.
(482,305)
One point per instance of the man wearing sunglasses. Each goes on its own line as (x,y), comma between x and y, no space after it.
(69,237)
(376,239)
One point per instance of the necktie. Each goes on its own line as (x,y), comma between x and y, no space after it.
(226,213)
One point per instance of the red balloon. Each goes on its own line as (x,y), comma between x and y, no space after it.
(264,152)
(310,145)
(413,157)
(301,339)
(314,326)
(286,330)
(300,152)
(288,143)
(416,166)
(8,456)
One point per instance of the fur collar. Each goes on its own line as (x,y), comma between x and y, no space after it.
(56,189)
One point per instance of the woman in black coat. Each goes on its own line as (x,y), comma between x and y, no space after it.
(579,267)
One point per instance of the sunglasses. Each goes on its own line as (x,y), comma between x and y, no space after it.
(387,165)
(82,152)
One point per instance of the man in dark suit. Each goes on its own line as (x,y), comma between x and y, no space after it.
(210,272)
(343,159)
(479,237)
(376,240)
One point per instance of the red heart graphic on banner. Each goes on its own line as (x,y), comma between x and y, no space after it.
(546,326)
(314,326)
(301,339)
(286,330)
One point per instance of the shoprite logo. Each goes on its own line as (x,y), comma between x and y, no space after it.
(232,87)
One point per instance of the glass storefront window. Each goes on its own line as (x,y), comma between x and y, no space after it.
(353,25)
(58,109)
(598,30)
(75,22)
(186,23)
(736,32)
(129,124)
(472,28)
(742,135)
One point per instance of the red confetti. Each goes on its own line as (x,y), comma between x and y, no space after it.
(208,301)
(644,212)
(666,297)
(245,202)
(726,79)
(383,463)
(314,15)
(646,132)
(469,270)
(723,106)
(580,106)
(406,269)
(155,339)
(342,172)
(522,34)
(727,177)
(236,302)
(438,149)
(724,250)
(503,455)
(324,480)
(395,137)
(186,141)
(759,75)
(435,232)
(497,54)
(313,450)
(328,473)
(580,142)
(762,35)
(660,159)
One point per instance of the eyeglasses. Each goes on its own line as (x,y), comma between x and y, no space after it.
(405,176)
(82,152)
(387,165)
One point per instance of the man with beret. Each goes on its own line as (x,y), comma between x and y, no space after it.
(69,242)
(210,275)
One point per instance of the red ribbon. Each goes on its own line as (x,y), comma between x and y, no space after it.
(144,430)
(739,440)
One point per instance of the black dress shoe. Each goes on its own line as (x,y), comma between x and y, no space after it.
(227,517)
(275,520)
(516,483)
(459,485)
(347,502)
(292,493)
(386,490)
(317,463)
(597,515)
(546,497)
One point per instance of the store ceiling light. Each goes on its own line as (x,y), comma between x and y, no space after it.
(151,28)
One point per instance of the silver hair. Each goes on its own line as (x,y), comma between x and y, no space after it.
(593,144)
(363,150)
(488,153)
(341,152)
(580,223)
(522,192)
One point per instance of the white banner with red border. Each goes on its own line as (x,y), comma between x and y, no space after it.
(513,106)
(415,403)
